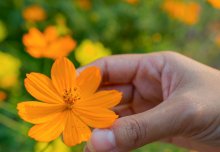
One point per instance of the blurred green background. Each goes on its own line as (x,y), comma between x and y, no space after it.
(100,28)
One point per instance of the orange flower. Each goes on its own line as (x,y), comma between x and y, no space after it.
(133,2)
(48,44)
(84,4)
(3,95)
(70,104)
(34,13)
(215,3)
(217,40)
(187,12)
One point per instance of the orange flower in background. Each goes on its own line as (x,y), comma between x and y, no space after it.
(48,44)
(84,4)
(70,104)
(215,3)
(217,40)
(34,13)
(133,2)
(3,95)
(187,12)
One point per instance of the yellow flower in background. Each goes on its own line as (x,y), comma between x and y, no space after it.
(61,25)
(187,12)
(48,44)
(70,104)
(3,31)
(215,3)
(34,13)
(9,72)
(56,146)
(89,51)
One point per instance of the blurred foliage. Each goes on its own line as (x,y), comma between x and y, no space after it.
(104,28)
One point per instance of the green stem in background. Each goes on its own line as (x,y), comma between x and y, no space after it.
(12,124)
(8,107)
(46,66)
(45,63)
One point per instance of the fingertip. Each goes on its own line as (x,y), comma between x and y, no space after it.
(101,140)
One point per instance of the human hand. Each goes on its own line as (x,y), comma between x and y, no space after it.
(166,96)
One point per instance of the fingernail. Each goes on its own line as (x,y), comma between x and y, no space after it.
(102,140)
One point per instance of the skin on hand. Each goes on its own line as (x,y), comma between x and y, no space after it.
(166,96)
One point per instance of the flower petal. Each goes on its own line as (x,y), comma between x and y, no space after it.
(34,38)
(96,117)
(75,131)
(60,47)
(68,43)
(38,112)
(89,80)
(105,99)
(63,75)
(36,52)
(50,34)
(41,87)
(49,131)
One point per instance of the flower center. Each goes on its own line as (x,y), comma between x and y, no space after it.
(70,97)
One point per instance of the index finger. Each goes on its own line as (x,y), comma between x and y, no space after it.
(130,74)
(117,69)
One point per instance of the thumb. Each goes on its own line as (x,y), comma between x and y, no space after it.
(134,131)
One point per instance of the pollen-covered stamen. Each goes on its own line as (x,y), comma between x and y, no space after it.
(71,96)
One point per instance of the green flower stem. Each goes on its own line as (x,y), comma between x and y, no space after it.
(46,65)
(8,107)
(12,124)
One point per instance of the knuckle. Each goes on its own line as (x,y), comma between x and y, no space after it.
(172,59)
(169,53)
